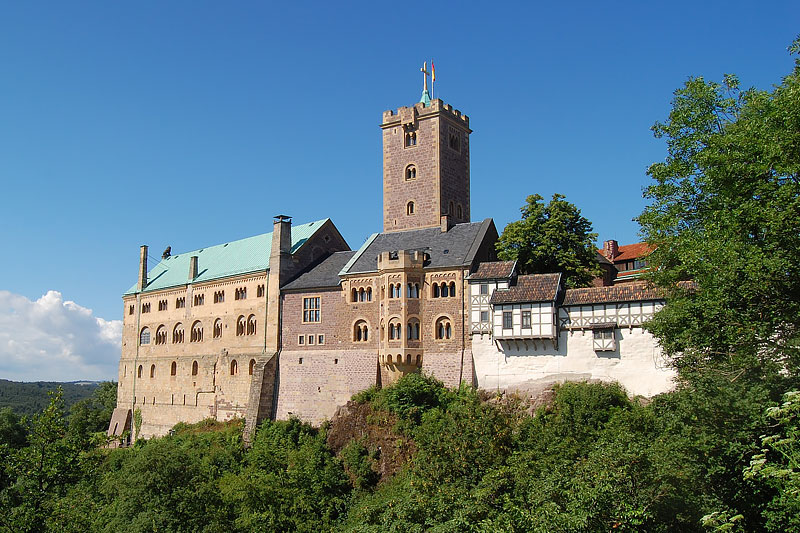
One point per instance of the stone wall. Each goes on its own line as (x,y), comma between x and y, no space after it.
(637,363)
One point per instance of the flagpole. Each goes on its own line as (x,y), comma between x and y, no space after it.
(433,81)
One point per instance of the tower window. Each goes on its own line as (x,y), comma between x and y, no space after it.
(455,141)
(144,336)
(411,138)
(459,212)
(410,208)
(411,172)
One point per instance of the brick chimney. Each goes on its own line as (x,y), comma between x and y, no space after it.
(445,223)
(142,283)
(192,267)
(280,267)
(611,249)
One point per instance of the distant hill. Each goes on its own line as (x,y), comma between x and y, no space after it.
(29,398)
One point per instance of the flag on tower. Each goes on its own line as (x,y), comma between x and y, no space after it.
(433,71)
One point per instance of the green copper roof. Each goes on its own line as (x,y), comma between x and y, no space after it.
(223,260)
(426,98)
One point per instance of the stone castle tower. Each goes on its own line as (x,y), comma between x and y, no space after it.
(425,166)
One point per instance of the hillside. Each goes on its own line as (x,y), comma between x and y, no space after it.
(27,398)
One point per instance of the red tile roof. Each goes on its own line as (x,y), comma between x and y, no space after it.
(530,288)
(625,292)
(494,270)
(629,252)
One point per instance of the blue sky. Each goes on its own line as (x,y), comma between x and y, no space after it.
(193,123)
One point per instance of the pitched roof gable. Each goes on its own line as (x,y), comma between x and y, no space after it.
(624,292)
(454,248)
(494,270)
(529,288)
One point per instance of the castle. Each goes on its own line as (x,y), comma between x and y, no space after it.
(294,322)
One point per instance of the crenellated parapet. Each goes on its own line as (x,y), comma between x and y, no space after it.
(419,111)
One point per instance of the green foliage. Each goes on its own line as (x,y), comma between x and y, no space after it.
(30,398)
(93,414)
(778,464)
(552,238)
(12,432)
(359,463)
(725,212)
(137,422)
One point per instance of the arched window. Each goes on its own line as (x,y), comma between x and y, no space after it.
(152,371)
(411,138)
(177,333)
(360,331)
(251,325)
(139,372)
(411,172)
(161,335)
(218,328)
(362,296)
(452,288)
(395,330)
(444,291)
(354,296)
(443,329)
(435,290)
(459,212)
(194,368)
(234,368)
(241,326)
(144,336)
(369,294)
(412,330)
(197,332)
(410,208)
(173,368)
(251,367)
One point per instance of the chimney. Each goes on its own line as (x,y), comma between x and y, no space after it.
(142,283)
(611,249)
(192,267)
(280,264)
(444,220)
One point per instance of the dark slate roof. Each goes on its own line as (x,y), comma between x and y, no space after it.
(530,288)
(456,247)
(325,274)
(624,292)
(494,270)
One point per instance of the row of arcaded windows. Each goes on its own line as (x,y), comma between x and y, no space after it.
(361,295)
(199,299)
(173,369)
(442,330)
(244,326)
(443,290)
(398,359)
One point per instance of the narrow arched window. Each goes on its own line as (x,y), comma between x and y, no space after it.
(410,208)
(144,336)
(197,332)
(443,290)
(251,325)
(177,333)
(369,294)
(218,328)
(416,290)
(152,371)
(251,367)
(173,369)
(435,290)
(411,172)
(139,372)
(354,297)
(452,288)
(234,368)
(459,212)
(362,297)
(452,210)
(194,368)
(241,326)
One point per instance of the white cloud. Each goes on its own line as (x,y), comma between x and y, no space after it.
(55,340)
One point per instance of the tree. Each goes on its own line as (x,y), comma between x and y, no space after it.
(725,212)
(552,238)
(94,414)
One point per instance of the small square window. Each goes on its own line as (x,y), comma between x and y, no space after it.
(526,319)
(300,361)
(484,316)
(311,339)
(301,339)
(320,339)
(484,288)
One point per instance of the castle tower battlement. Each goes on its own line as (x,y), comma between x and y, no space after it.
(426,170)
